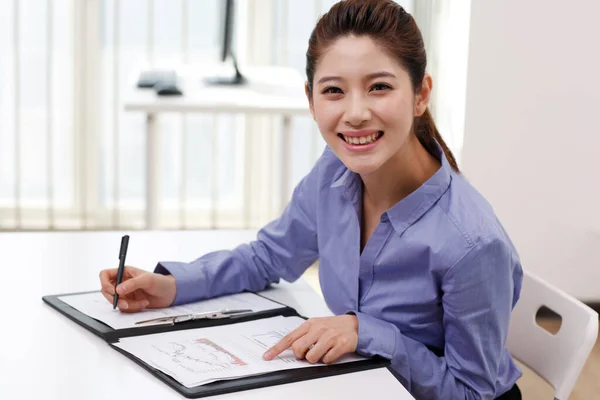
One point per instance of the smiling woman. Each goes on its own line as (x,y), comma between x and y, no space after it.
(412,259)
(373,79)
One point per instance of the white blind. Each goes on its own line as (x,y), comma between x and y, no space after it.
(71,158)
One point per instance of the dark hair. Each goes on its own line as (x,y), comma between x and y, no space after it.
(396,31)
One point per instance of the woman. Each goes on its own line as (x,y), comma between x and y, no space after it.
(412,259)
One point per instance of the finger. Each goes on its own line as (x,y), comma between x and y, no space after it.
(108,288)
(286,342)
(132,272)
(143,282)
(301,346)
(333,354)
(123,305)
(108,276)
(133,306)
(322,346)
(108,296)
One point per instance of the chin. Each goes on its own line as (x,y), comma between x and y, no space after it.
(361,168)
(362,165)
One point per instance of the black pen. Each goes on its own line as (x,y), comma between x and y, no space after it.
(122,255)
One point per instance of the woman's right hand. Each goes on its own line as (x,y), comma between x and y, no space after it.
(139,289)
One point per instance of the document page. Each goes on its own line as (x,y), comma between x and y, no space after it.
(196,357)
(96,306)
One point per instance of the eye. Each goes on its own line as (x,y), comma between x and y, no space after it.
(332,89)
(380,86)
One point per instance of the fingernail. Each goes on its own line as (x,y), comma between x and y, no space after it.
(145,304)
(267,355)
(120,289)
(124,305)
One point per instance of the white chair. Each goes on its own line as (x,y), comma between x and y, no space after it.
(557,358)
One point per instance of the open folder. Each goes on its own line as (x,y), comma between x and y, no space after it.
(200,349)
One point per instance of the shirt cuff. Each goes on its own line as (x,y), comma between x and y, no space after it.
(190,286)
(375,336)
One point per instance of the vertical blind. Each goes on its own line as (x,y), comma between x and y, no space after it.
(72,158)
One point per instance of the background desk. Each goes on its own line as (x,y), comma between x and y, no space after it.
(46,356)
(269,90)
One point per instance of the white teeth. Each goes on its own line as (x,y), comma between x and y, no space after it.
(363,139)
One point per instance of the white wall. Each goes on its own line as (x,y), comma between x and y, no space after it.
(532,132)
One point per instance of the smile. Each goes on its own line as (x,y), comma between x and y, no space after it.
(361,140)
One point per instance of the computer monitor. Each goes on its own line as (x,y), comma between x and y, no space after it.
(226,30)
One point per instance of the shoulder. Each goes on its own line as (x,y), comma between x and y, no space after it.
(461,223)
(470,213)
(486,244)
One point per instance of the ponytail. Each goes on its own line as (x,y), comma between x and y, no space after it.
(428,134)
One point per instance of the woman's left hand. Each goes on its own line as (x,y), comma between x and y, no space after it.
(320,339)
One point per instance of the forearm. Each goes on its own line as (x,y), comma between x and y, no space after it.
(284,248)
(421,371)
(222,272)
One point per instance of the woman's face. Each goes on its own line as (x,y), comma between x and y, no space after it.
(363,103)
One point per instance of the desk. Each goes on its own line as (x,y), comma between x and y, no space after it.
(269,90)
(46,356)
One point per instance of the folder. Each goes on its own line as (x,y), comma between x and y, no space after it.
(112,336)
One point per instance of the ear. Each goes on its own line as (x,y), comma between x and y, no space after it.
(423,96)
(310,102)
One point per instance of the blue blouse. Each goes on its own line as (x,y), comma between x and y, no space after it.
(433,288)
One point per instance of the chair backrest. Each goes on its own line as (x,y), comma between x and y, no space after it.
(557,358)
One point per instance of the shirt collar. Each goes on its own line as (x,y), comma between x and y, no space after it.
(351,183)
(408,210)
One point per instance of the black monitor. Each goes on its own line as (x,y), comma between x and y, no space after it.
(227,29)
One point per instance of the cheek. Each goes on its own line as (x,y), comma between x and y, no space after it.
(395,112)
(327,114)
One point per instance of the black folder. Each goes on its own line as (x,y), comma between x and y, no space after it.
(112,336)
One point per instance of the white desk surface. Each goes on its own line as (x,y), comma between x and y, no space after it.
(46,356)
(273,90)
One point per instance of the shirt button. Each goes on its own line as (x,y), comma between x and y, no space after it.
(384,217)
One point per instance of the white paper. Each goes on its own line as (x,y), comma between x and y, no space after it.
(96,306)
(196,357)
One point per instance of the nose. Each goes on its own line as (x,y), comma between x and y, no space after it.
(357,111)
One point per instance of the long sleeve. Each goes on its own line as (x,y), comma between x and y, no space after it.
(283,249)
(478,296)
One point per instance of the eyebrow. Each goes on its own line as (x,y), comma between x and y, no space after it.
(374,75)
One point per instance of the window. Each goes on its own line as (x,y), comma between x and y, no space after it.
(37,95)
(71,158)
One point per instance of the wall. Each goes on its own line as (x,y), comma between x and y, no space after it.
(532,133)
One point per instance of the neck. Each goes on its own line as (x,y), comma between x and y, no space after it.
(401,175)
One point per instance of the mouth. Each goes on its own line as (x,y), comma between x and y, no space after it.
(363,140)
